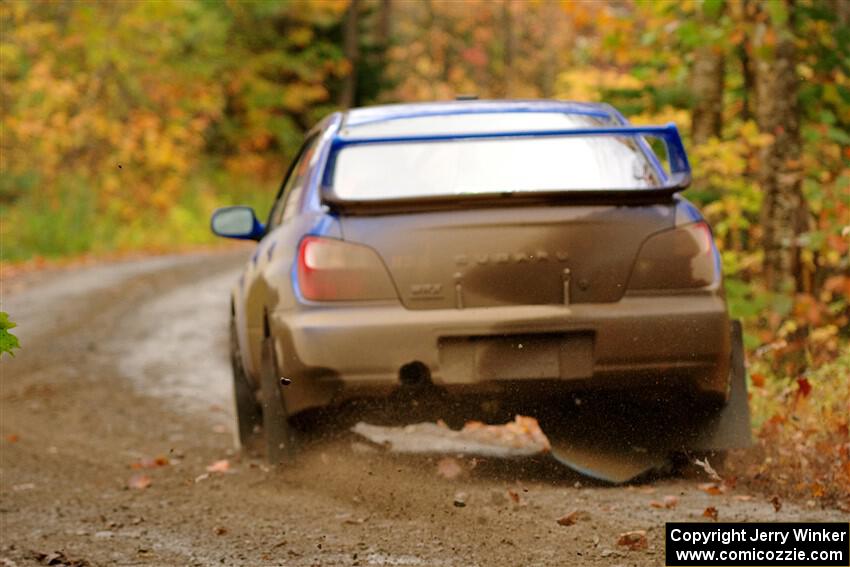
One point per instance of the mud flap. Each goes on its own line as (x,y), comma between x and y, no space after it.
(730,427)
(622,453)
(279,440)
(616,467)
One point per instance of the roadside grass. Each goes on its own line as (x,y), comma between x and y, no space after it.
(80,223)
(800,426)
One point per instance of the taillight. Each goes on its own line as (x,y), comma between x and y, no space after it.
(683,257)
(333,270)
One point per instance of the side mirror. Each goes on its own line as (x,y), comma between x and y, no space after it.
(237,222)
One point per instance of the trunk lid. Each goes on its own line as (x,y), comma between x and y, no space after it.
(510,256)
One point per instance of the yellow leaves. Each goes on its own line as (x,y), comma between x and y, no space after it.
(298,99)
(589,84)
(252,165)
(678,116)
(721,158)
(301,36)
(749,133)
(805,71)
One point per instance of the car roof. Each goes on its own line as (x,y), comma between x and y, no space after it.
(389,112)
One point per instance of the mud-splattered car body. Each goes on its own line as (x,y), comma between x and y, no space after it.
(552,253)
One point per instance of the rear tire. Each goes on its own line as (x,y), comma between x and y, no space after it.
(279,439)
(249,415)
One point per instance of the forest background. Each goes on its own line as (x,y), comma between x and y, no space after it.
(125,124)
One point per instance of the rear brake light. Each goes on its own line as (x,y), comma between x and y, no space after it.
(333,270)
(683,257)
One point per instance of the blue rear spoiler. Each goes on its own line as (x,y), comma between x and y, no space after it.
(678,179)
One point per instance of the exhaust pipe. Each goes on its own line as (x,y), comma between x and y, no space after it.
(414,374)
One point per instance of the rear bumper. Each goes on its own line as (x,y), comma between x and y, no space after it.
(636,342)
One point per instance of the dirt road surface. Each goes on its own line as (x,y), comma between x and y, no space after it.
(127,362)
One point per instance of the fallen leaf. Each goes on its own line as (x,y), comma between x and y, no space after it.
(777,503)
(710,512)
(220,530)
(668,502)
(12,438)
(709,470)
(712,488)
(634,540)
(742,497)
(573,517)
(514,496)
(220,466)
(804,387)
(139,481)
(149,463)
(449,468)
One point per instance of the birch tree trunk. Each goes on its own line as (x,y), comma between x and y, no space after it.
(707,77)
(707,88)
(783,215)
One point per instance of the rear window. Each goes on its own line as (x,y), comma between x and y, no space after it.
(466,167)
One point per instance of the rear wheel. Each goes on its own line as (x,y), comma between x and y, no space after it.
(279,440)
(249,415)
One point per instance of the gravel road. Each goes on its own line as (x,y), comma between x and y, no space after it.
(124,363)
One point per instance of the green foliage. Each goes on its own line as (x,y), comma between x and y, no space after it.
(8,341)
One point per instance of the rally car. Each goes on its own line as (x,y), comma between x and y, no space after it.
(481,247)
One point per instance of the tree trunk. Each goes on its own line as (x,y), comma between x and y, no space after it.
(783,215)
(748,102)
(842,11)
(384,24)
(742,14)
(707,88)
(350,40)
(508,51)
(550,28)
(707,75)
